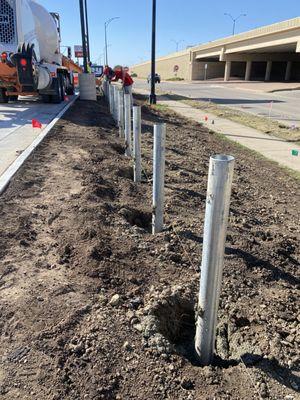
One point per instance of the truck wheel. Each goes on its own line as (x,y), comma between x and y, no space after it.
(63,87)
(70,90)
(3,97)
(57,86)
(46,98)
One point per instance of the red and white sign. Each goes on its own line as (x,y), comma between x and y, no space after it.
(176,68)
(78,50)
(76,80)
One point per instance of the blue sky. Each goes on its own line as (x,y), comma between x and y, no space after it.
(194,21)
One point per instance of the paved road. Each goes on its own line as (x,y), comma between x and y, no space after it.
(285,106)
(16,132)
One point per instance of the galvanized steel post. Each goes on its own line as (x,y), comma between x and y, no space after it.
(111,99)
(127,125)
(216,219)
(115,104)
(158,178)
(137,131)
(121,113)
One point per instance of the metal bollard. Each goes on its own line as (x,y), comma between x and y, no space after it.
(127,107)
(117,90)
(137,131)
(111,99)
(105,90)
(121,113)
(216,219)
(115,113)
(158,178)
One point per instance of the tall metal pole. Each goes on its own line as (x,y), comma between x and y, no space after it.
(177,42)
(105,33)
(216,219)
(234,20)
(83,34)
(87,32)
(106,56)
(153,55)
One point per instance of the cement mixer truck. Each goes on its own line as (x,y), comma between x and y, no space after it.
(31,62)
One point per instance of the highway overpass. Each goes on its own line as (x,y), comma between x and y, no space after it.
(268,53)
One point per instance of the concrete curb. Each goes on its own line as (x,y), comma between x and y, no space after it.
(17,164)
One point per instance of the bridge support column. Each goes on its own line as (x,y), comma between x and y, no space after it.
(227,71)
(288,71)
(268,71)
(248,71)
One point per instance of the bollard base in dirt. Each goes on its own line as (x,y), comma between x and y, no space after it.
(87,87)
(215,227)
(158,178)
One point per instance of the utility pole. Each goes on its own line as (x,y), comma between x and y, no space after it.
(83,34)
(153,55)
(87,33)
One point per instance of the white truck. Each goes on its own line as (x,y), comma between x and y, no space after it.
(31,62)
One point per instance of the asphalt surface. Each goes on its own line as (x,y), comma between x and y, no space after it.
(283,106)
(16,132)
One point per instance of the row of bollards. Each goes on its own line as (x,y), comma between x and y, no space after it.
(216,215)
(129,121)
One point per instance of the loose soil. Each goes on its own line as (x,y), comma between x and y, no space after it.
(95,307)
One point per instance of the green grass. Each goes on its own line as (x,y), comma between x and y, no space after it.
(262,124)
(161,107)
(294,174)
(175,79)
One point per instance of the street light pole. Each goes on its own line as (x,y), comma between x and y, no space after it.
(177,42)
(83,34)
(105,34)
(234,20)
(153,55)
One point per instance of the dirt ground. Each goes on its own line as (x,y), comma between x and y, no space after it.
(95,307)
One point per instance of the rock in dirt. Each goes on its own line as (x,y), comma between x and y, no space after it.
(115,301)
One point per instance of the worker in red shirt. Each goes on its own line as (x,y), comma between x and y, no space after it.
(108,72)
(123,75)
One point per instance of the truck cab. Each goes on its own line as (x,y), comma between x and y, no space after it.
(31,62)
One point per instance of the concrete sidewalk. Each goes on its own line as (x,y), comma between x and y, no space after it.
(269,146)
(16,132)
